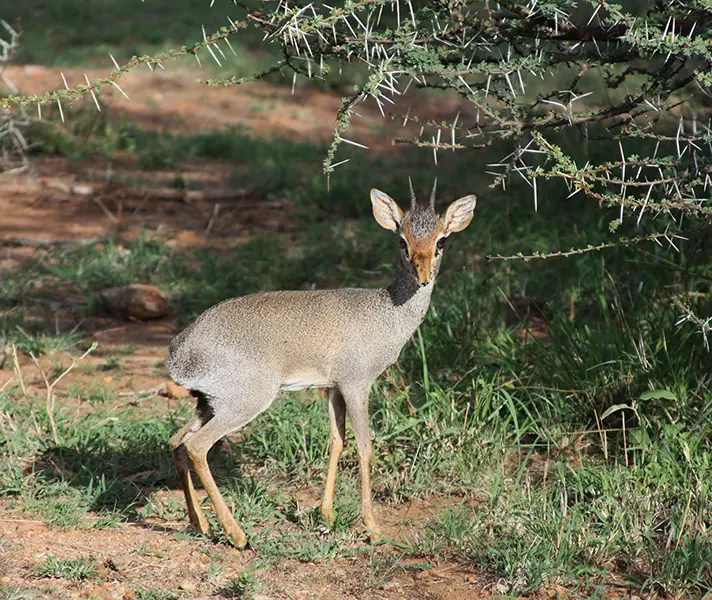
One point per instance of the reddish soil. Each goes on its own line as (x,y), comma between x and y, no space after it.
(172,100)
(148,555)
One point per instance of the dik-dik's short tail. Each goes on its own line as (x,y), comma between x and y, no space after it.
(186,362)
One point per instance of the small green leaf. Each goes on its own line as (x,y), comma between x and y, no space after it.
(615,408)
(662,394)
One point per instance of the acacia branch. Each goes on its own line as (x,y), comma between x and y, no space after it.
(576,251)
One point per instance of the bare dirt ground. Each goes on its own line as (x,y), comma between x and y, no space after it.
(61,201)
(146,556)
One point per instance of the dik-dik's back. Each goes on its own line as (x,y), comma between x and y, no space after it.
(295,340)
(239,354)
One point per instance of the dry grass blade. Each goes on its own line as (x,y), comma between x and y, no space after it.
(50,397)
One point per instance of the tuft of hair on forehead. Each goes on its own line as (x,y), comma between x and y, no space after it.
(422,222)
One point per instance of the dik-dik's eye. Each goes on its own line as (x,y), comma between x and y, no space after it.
(404,245)
(441,243)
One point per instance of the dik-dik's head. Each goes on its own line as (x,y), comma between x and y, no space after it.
(422,232)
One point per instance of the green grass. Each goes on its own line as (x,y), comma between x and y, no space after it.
(155,594)
(15,593)
(243,587)
(76,569)
(525,438)
(69,32)
(567,458)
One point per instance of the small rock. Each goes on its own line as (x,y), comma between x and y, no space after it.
(5,579)
(83,190)
(58,185)
(118,593)
(118,563)
(187,586)
(135,301)
(173,390)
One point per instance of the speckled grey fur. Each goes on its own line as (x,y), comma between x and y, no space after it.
(423,222)
(239,353)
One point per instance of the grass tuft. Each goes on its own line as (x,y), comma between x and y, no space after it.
(76,569)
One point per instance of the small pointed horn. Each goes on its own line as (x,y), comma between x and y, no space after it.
(432,194)
(413,201)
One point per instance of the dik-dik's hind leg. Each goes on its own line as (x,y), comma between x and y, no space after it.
(337,417)
(357,407)
(197,447)
(180,457)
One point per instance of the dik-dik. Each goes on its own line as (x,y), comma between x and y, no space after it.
(241,353)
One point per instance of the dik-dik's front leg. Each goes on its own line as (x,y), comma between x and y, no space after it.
(357,409)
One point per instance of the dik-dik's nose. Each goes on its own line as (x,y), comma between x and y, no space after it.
(422,269)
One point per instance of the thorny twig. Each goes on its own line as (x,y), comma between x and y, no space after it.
(13,146)
(680,235)
(704,325)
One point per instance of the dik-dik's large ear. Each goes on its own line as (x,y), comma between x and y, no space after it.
(386,211)
(459,214)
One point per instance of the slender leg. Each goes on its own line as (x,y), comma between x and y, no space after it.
(337,417)
(180,457)
(197,447)
(357,406)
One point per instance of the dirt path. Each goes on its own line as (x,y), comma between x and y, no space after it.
(173,100)
(49,205)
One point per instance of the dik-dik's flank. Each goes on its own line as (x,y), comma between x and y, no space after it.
(241,353)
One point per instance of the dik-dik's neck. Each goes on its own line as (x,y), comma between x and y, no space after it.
(405,293)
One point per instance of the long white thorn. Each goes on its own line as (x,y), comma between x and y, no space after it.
(91,91)
(341,139)
(116,85)
(340,163)
(207,45)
